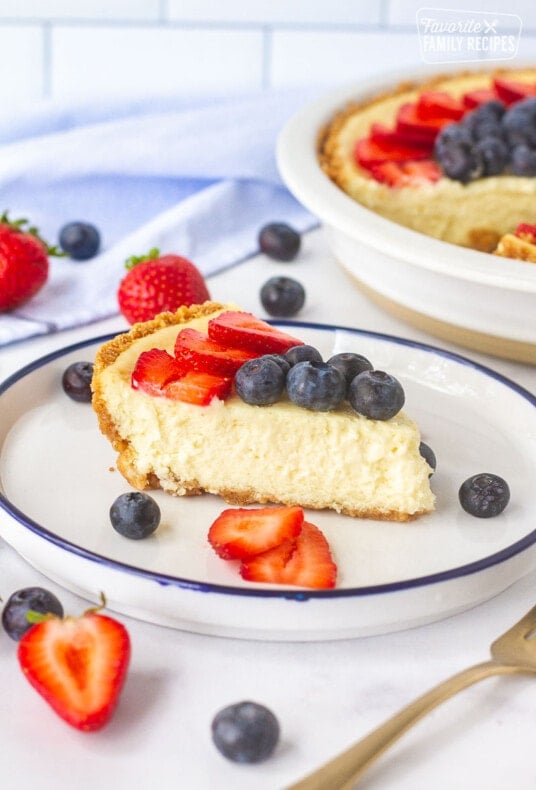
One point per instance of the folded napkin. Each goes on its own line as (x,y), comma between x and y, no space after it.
(194,177)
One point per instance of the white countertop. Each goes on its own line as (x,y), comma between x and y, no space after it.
(325,694)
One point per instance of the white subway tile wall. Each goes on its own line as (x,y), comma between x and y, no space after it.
(99,48)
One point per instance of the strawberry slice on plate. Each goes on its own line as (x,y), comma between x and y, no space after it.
(78,665)
(198,388)
(239,533)
(245,331)
(153,370)
(196,351)
(303,562)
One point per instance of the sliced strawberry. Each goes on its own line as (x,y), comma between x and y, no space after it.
(398,174)
(304,562)
(196,351)
(383,135)
(526,232)
(153,370)
(369,152)
(78,665)
(475,98)
(439,104)
(239,533)
(408,121)
(511,91)
(245,331)
(198,388)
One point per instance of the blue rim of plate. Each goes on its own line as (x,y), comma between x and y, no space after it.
(286,593)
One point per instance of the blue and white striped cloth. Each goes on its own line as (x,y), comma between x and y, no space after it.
(197,178)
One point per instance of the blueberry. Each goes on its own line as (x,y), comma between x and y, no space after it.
(135,515)
(376,394)
(523,161)
(485,120)
(283,363)
(494,155)
(484,495)
(80,240)
(279,241)
(429,456)
(303,353)
(349,364)
(76,381)
(260,381)
(282,296)
(453,134)
(459,162)
(519,123)
(245,732)
(35,599)
(316,386)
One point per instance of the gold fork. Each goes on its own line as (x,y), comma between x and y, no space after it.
(511,653)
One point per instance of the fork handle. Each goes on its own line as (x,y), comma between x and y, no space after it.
(342,772)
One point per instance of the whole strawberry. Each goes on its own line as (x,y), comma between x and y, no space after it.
(155,284)
(23,262)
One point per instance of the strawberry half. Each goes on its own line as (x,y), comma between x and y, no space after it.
(510,91)
(439,104)
(239,533)
(303,562)
(78,665)
(195,351)
(245,331)
(198,388)
(385,136)
(526,232)
(153,370)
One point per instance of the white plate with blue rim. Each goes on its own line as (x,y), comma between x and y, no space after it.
(58,480)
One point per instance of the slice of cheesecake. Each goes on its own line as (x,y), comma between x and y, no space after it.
(279,453)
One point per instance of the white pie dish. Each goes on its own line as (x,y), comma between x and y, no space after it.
(475,299)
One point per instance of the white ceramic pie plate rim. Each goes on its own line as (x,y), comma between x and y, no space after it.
(298,164)
(273,613)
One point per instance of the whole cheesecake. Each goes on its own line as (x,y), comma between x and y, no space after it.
(391,153)
(277,453)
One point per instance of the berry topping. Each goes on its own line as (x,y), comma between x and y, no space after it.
(198,388)
(304,562)
(477,97)
(153,370)
(135,515)
(428,455)
(246,732)
(395,137)
(376,395)
(158,283)
(279,241)
(281,360)
(484,495)
(303,353)
(519,123)
(79,240)
(78,665)
(76,381)
(244,330)
(526,232)
(316,386)
(349,364)
(398,174)
(282,296)
(523,162)
(260,381)
(240,533)
(370,152)
(195,351)
(30,599)
(439,104)
(410,121)
(510,91)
